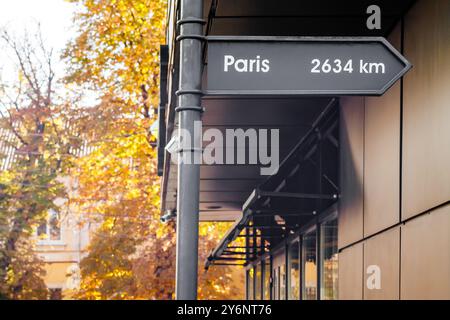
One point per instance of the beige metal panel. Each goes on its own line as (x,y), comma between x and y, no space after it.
(382,156)
(351,170)
(425,256)
(219,215)
(383,251)
(382,161)
(426,136)
(351,273)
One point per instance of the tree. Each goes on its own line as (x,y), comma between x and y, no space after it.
(132,255)
(34,152)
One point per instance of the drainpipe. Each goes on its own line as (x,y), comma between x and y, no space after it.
(189,111)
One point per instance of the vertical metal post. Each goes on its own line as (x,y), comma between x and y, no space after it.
(318,232)
(253,234)
(300,262)
(318,266)
(254,240)
(287,271)
(247,295)
(271,277)
(247,257)
(262,263)
(189,110)
(254,282)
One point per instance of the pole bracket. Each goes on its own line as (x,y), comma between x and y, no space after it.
(191,20)
(191,36)
(190,108)
(188,91)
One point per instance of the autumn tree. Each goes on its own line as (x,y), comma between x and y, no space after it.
(132,254)
(33,154)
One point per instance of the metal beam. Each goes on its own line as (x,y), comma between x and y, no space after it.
(273,212)
(228,264)
(259,236)
(298,195)
(271,227)
(230,259)
(230,253)
(189,111)
(234,253)
(242,247)
(282,214)
(163,99)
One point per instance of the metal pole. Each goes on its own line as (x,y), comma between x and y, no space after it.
(189,109)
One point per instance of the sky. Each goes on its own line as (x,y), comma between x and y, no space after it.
(54,17)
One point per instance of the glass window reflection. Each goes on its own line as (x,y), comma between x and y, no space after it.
(267,279)
(309,258)
(283,282)
(294,271)
(329,260)
(258,282)
(250,284)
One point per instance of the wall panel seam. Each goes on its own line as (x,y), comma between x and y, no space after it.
(401,223)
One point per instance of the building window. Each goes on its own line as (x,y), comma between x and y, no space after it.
(329,260)
(258,282)
(250,284)
(50,229)
(309,267)
(294,270)
(267,279)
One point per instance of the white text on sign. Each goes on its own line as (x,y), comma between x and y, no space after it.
(338,66)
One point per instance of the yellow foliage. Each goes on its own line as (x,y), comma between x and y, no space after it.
(132,254)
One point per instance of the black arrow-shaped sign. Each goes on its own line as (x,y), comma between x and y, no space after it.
(302,66)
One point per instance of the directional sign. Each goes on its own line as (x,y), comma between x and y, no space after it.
(302,66)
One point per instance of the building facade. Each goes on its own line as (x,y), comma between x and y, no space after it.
(360,205)
(61,241)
